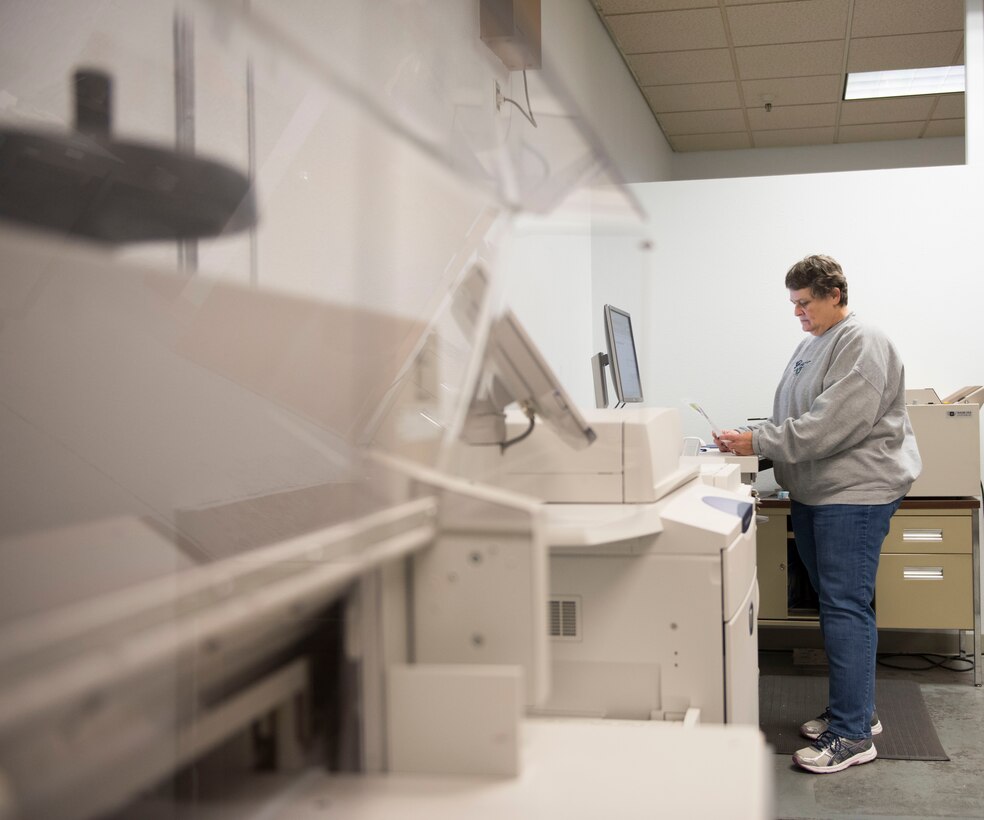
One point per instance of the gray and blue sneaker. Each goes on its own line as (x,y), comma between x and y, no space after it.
(830,753)
(816,727)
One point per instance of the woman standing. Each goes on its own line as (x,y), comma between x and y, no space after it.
(842,445)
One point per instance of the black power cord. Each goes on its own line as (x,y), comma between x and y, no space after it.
(531,415)
(928,660)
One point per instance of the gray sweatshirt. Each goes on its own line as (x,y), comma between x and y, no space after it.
(839,432)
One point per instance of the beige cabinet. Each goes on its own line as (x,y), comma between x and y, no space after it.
(926,574)
(926,577)
(772,539)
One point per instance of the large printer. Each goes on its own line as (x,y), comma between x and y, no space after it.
(653,590)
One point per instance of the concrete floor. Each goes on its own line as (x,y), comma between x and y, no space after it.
(898,789)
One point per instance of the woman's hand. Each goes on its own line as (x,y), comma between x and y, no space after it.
(731,441)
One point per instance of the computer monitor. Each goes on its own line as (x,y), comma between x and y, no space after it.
(622,355)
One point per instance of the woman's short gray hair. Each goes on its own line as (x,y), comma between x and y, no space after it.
(821,274)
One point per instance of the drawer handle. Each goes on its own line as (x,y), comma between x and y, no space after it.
(922,535)
(923,573)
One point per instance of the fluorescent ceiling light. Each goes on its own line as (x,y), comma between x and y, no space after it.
(906,82)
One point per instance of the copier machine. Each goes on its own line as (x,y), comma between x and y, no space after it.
(653,590)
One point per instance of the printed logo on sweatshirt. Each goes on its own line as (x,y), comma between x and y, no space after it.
(800,364)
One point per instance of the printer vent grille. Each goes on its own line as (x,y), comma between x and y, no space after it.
(565,618)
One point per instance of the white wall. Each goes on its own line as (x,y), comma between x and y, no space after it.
(719,321)
(548,286)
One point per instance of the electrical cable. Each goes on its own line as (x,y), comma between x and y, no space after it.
(532,417)
(930,660)
(526,113)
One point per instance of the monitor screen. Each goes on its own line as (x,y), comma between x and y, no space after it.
(529,380)
(622,355)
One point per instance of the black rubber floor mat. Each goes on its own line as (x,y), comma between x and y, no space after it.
(786,701)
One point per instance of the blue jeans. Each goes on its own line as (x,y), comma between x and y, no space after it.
(840,545)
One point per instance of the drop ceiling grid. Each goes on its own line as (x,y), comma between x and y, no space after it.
(707,67)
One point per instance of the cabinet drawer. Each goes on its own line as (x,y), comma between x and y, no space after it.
(925,591)
(928,533)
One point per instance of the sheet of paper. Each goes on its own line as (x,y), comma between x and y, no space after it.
(715,429)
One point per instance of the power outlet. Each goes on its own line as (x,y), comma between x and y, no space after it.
(497,98)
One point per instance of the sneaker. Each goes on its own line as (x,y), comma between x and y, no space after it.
(816,727)
(830,753)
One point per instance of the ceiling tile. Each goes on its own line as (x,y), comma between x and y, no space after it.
(630,6)
(905,51)
(877,18)
(799,60)
(900,109)
(794,136)
(794,90)
(711,142)
(674,67)
(883,131)
(793,116)
(791,22)
(702,122)
(699,97)
(949,107)
(945,128)
(709,94)
(669,30)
